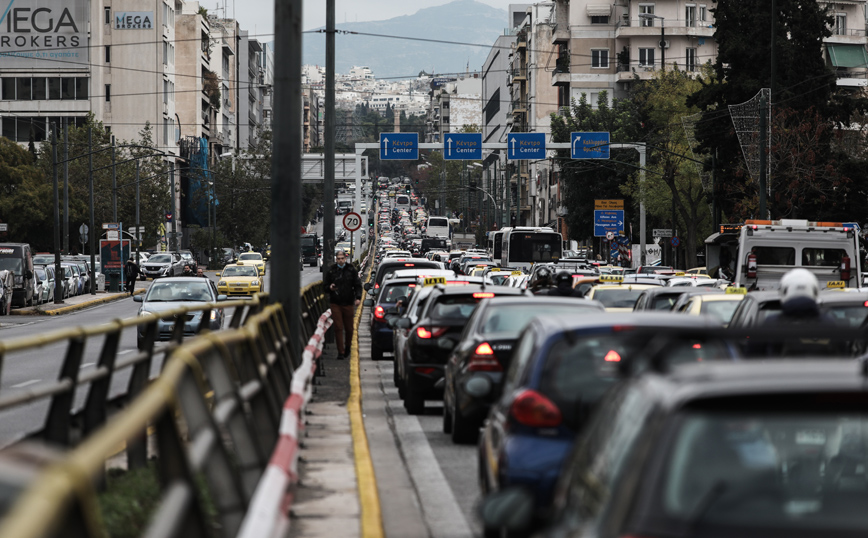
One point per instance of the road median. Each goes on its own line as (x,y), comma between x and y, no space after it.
(57,310)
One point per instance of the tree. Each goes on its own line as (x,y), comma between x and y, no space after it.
(584,180)
(805,93)
(672,175)
(25,198)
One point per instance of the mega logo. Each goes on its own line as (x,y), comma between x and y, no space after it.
(34,25)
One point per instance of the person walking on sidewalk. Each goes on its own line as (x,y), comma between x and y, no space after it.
(345,294)
(131,273)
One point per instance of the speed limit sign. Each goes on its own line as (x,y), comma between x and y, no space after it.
(352,222)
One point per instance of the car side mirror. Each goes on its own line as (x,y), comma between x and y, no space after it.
(138,299)
(367,286)
(221,298)
(368,302)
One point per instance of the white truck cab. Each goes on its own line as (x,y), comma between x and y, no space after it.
(768,249)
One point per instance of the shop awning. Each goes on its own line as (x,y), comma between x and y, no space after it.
(848,55)
(599,10)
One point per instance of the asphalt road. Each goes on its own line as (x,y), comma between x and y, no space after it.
(27,370)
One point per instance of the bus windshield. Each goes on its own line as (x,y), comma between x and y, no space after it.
(534,247)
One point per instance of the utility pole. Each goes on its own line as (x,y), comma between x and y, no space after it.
(58,295)
(138,221)
(285,273)
(328,196)
(173,242)
(92,227)
(115,184)
(66,186)
(763,143)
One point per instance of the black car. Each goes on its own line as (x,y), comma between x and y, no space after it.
(659,298)
(391,265)
(754,450)
(755,308)
(436,333)
(483,355)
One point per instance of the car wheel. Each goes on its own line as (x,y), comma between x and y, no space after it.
(463,431)
(376,353)
(447,418)
(395,378)
(414,403)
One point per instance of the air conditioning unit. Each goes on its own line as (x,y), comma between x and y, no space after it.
(664,44)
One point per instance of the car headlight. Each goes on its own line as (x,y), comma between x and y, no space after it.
(221,283)
(213,315)
(254,283)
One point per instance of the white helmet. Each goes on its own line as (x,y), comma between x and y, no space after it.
(799,283)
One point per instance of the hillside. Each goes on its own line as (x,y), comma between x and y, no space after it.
(463,21)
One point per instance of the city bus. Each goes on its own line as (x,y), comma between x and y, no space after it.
(494,243)
(523,246)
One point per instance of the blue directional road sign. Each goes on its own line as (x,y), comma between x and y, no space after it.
(520,146)
(462,147)
(608,220)
(399,146)
(589,145)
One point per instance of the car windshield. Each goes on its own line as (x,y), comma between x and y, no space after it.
(799,470)
(160,258)
(849,315)
(11,264)
(240,270)
(514,318)
(40,274)
(250,256)
(43,259)
(721,310)
(179,291)
(617,297)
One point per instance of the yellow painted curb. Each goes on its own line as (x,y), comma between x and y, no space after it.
(73,307)
(371,524)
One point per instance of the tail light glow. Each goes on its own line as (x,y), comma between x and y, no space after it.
(612,356)
(483,360)
(424,333)
(379,313)
(531,408)
(483,295)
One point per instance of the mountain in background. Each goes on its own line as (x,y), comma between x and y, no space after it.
(461,21)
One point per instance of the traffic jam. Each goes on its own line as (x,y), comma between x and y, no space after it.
(726,400)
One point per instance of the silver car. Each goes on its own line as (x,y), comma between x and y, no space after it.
(174,292)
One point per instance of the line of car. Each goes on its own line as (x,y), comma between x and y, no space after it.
(637,414)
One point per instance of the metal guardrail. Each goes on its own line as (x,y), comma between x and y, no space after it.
(215,414)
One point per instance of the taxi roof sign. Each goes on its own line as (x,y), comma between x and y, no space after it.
(836,284)
(434,280)
(736,290)
(611,278)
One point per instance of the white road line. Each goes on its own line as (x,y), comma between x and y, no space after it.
(125,351)
(85,365)
(26,383)
(442,513)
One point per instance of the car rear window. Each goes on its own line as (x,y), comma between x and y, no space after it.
(848,315)
(393,292)
(454,307)
(720,310)
(514,318)
(786,472)
(664,301)
(617,297)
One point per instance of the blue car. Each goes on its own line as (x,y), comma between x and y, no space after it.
(384,303)
(560,369)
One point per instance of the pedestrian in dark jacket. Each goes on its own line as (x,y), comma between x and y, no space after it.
(345,293)
(131,273)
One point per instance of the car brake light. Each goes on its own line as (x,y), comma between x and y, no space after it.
(422,332)
(533,409)
(481,295)
(424,370)
(409,265)
(612,356)
(379,313)
(483,360)
(377,286)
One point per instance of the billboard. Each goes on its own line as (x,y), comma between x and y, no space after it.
(44,34)
(113,254)
(134,20)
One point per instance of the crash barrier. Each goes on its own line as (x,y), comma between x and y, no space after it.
(65,425)
(269,510)
(215,413)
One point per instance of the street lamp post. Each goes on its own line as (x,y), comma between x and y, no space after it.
(662,37)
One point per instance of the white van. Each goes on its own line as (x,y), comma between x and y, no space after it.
(402,202)
(437,227)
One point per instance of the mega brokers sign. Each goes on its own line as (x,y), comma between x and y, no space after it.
(44,33)
(134,20)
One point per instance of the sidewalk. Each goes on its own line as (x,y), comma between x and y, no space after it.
(72,304)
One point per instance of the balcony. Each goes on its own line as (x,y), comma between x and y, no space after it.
(637,28)
(521,40)
(519,74)
(561,18)
(519,106)
(851,36)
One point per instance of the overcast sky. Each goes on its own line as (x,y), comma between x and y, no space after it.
(257,16)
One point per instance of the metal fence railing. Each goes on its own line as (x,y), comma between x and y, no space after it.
(214,414)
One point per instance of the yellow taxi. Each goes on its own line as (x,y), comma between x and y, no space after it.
(267,251)
(720,306)
(239,279)
(615,295)
(254,259)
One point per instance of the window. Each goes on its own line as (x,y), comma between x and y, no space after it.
(165,51)
(67,88)
(703,13)
(108,93)
(81,88)
(600,58)
(7,89)
(108,15)
(840,24)
(690,15)
(108,54)
(690,59)
(39,89)
(646,57)
(646,9)
(54,88)
(22,88)
(599,19)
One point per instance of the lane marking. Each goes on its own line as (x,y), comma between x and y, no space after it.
(26,383)
(369,498)
(85,365)
(125,351)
